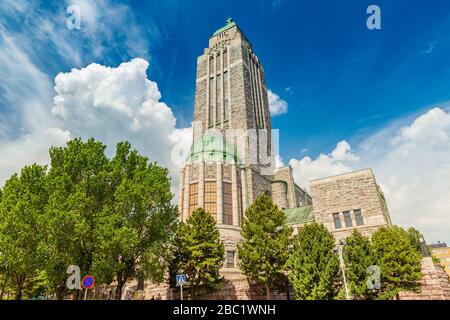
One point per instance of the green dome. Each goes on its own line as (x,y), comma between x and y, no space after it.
(213,147)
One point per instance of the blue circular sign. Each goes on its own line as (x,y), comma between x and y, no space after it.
(88,282)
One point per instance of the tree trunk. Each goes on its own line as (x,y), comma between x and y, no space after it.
(267,291)
(60,292)
(288,297)
(20,279)
(18,295)
(141,284)
(192,292)
(79,294)
(2,289)
(119,288)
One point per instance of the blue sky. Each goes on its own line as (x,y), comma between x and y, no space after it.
(341,80)
(345,80)
(356,97)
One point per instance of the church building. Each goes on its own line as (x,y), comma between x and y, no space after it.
(232,162)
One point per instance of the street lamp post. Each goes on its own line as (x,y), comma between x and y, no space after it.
(339,248)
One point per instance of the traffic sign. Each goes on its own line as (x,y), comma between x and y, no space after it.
(181,279)
(88,282)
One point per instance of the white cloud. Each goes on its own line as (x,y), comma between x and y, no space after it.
(277,106)
(412,165)
(324,165)
(111,105)
(414,171)
(276,3)
(343,152)
(430,49)
(278,161)
(114,104)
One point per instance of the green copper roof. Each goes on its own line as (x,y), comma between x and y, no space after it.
(230,23)
(213,147)
(299,215)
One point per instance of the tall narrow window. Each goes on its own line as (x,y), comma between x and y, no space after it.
(193,197)
(211,102)
(182,200)
(358,217)
(259,94)
(337,221)
(227,204)
(348,219)
(211,65)
(225,59)
(241,218)
(230,259)
(210,198)
(255,93)
(218,63)
(219,98)
(225,95)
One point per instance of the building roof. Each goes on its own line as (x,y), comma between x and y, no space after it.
(299,215)
(438,245)
(350,173)
(230,24)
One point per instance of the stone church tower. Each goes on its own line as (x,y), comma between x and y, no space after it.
(231,161)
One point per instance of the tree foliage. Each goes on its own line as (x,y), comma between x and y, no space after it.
(137,222)
(78,180)
(398,261)
(266,236)
(358,257)
(313,267)
(112,218)
(415,237)
(199,253)
(23,226)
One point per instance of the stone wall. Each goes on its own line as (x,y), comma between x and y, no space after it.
(237,287)
(279,194)
(257,185)
(434,284)
(234,287)
(285,174)
(201,95)
(349,192)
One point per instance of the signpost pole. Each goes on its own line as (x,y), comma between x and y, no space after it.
(181,289)
(87,283)
(181,280)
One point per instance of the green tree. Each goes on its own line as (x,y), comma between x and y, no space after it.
(137,224)
(199,251)
(398,261)
(313,267)
(38,286)
(22,226)
(78,180)
(415,237)
(265,248)
(358,257)
(113,218)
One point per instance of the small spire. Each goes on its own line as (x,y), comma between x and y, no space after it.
(229,20)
